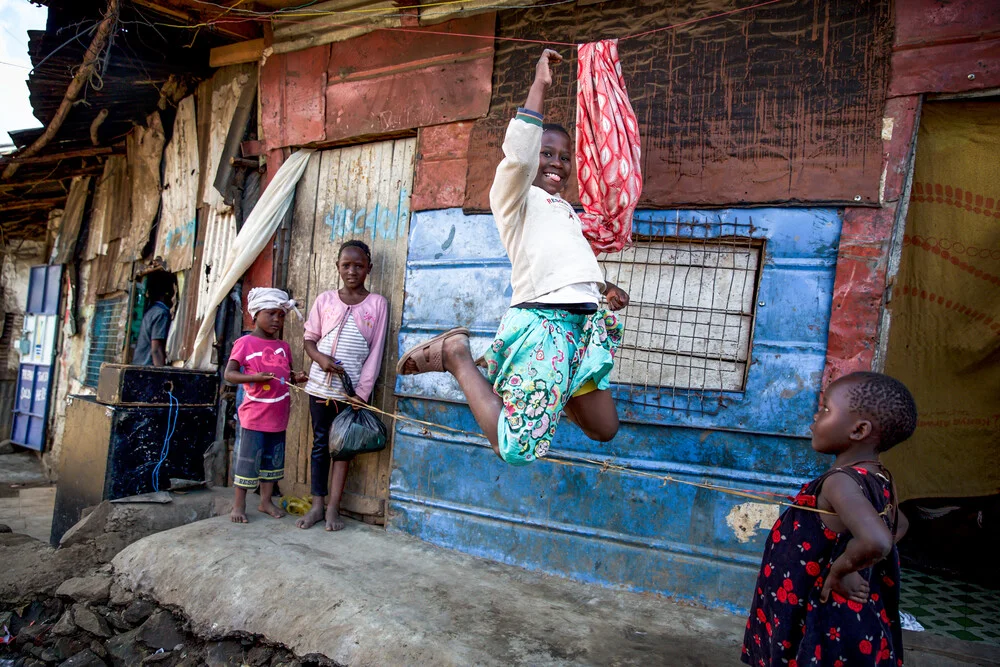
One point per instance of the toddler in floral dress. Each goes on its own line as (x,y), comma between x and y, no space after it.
(828,589)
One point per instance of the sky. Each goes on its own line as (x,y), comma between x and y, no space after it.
(16,18)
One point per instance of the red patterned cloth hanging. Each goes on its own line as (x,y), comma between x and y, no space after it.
(607,148)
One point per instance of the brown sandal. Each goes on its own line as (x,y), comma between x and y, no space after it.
(429,356)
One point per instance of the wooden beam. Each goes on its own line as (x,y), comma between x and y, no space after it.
(67,155)
(249,51)
(75,87)
(30,204)
(241,30)
(64,176)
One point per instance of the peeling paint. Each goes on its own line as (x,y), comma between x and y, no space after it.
(747,518)
(887,124)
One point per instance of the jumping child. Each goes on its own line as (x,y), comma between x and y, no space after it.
(344,335)
(264,363)
(828,589)
(554,349)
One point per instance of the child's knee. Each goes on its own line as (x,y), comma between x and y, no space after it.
(604,432)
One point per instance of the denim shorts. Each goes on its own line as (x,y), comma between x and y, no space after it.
(258,457)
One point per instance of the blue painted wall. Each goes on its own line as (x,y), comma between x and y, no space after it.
(605,527)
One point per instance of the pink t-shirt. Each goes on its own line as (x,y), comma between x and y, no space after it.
(265,406)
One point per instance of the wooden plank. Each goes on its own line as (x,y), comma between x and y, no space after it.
(249,51)
(30,204)
(299,443)
(239,29)
(62,176)
(397,261)
(356,192)
(67,155)
(362,504)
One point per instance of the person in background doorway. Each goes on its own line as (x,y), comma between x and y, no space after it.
(263,362)
(345,335)
(151,345)
(828,589)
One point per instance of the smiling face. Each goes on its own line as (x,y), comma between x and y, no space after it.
(354,267)
(270,321)
(555,162)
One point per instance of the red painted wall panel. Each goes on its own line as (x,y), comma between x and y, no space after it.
(862,262)
(293,97)
(920,22)
(946,68)
(940,43)
(442,163)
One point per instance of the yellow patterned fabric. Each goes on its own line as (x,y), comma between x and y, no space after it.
(944,336)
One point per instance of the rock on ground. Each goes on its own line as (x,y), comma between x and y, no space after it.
(161,631)
(95,588)
(90,622)
(138,611)
(31,567)
(85,658)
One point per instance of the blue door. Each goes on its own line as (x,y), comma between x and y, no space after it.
(716,383)
(37,348)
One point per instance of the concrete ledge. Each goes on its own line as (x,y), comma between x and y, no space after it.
(366,597)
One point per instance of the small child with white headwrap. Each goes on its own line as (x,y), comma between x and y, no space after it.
(263,362)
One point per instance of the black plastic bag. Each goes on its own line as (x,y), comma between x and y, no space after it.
(356,431)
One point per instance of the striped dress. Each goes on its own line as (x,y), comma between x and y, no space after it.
(352,351)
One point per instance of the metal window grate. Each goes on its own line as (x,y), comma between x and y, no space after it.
(107,336)
(689,323)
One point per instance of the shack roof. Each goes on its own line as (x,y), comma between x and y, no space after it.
(148,64)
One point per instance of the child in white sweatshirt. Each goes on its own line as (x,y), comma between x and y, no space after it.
(554,350)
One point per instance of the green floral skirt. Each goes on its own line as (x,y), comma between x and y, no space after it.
(538,360)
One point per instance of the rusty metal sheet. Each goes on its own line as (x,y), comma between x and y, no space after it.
(390,81)
(110,214)
(220,232)
(925,22)
(779,104)
(442,163)
(145,152)
(859,290)
(293,97)
(946,68)
(175,236)
(72,219)
(226,87)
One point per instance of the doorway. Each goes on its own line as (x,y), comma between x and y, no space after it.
(358,192)
(944,344)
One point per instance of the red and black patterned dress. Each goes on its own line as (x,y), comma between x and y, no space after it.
(788,625)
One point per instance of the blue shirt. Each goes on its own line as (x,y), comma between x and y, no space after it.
(155,326)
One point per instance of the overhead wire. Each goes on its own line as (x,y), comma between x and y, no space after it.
(381,13)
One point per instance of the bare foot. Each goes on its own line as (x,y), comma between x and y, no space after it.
(312,517)
(238,515)
(271,508)
(333,520)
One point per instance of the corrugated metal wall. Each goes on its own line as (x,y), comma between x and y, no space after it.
(606,527)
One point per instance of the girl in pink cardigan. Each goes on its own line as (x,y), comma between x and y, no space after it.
(345,335)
